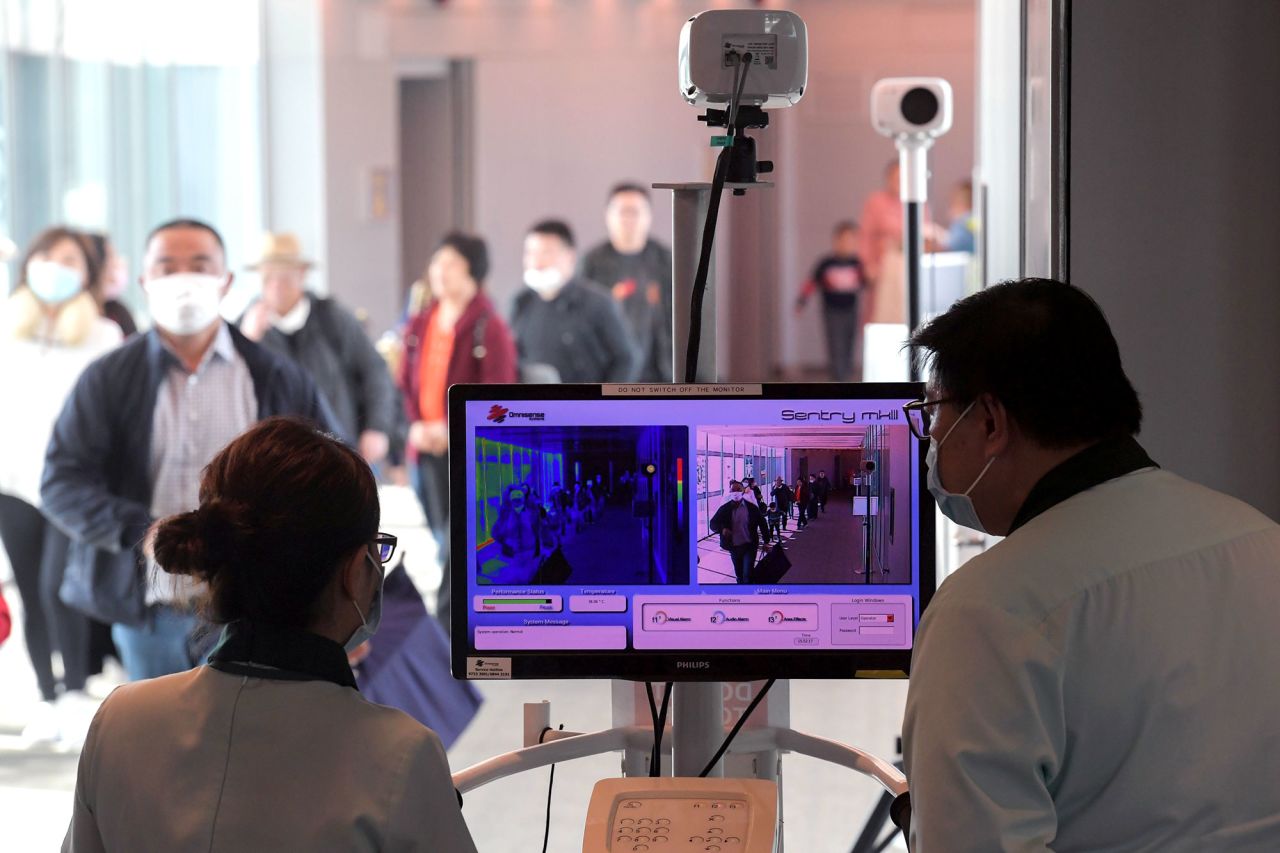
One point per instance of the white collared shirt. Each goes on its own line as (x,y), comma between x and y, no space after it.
(196,415)
(293,320)
(1104,680)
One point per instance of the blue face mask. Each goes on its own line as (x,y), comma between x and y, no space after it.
(368,627)
(52,283)
(957,507)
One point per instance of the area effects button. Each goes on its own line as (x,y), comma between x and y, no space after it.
(598,603)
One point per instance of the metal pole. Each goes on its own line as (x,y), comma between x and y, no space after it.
(697,727)
(913,178)
(688,213)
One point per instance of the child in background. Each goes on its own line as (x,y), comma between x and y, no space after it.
(773,516)
(839,277)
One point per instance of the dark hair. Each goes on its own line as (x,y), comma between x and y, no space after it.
(187,223)
(50,237)
(842,226)
(280,507)
(98,246)
(1044,349)
(554,228)
(473,251)
(628,187)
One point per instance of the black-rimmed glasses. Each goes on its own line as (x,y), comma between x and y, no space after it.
(385,544)
(920,415)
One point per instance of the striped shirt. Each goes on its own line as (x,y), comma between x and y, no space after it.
(197,414)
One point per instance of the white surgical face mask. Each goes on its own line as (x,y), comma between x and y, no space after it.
(53,283)
(544,281)
(957,507)
(736,496)
(368,627)
(185,303)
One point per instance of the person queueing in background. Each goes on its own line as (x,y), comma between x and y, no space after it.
(270,746)
(822,491)
(962,234)
(773,516)
(51,329)
(457,336)
(811,494)
(801,492)
(840,277)
(564,322)
(783,497)
(635,269)
(327,340)
(138,428)
(741,527)
(112,281)
(882,252)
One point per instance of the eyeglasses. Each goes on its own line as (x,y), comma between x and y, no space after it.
(920,414)
(385,544)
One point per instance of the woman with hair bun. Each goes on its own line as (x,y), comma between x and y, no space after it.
(270,746)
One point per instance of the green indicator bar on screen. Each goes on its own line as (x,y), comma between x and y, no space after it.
(517,601)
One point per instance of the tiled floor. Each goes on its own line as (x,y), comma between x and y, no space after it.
(824,805)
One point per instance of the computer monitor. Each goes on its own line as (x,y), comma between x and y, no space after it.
(594,534)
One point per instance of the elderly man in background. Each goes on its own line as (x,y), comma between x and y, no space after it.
(327,341)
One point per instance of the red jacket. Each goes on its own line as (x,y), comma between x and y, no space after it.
(484,355)
(5,620)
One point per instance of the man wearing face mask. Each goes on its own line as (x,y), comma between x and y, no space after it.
(1102,678)
(741,527)
(138,428)
(565,323)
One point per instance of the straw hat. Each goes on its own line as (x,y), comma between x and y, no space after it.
(281,248)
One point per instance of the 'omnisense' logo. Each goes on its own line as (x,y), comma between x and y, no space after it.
(498,414)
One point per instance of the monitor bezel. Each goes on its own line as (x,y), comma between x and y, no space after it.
(664,665)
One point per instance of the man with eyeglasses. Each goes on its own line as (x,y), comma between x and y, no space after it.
(1103,678)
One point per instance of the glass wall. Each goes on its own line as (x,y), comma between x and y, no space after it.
(117,116)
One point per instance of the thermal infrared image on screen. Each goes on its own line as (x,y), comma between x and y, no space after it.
(559,505)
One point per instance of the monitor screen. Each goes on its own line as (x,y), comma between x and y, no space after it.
(596,533)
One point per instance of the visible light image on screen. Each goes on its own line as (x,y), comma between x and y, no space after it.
(594,534)
(854,483)
(559,505)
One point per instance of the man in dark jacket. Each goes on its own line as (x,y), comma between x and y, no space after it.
(741,527)
(636,271)
(138,428)
(566,323)
(329,343)
(822,490)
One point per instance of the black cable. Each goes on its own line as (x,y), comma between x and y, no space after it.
(724,747)
(704,264)
(709,230)
(739,83)
(551,781)
(659,725)
(653,715)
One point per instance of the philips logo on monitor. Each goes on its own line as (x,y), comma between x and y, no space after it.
(693,664)
(499,414)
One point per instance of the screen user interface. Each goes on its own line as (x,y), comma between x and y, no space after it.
(608,525)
